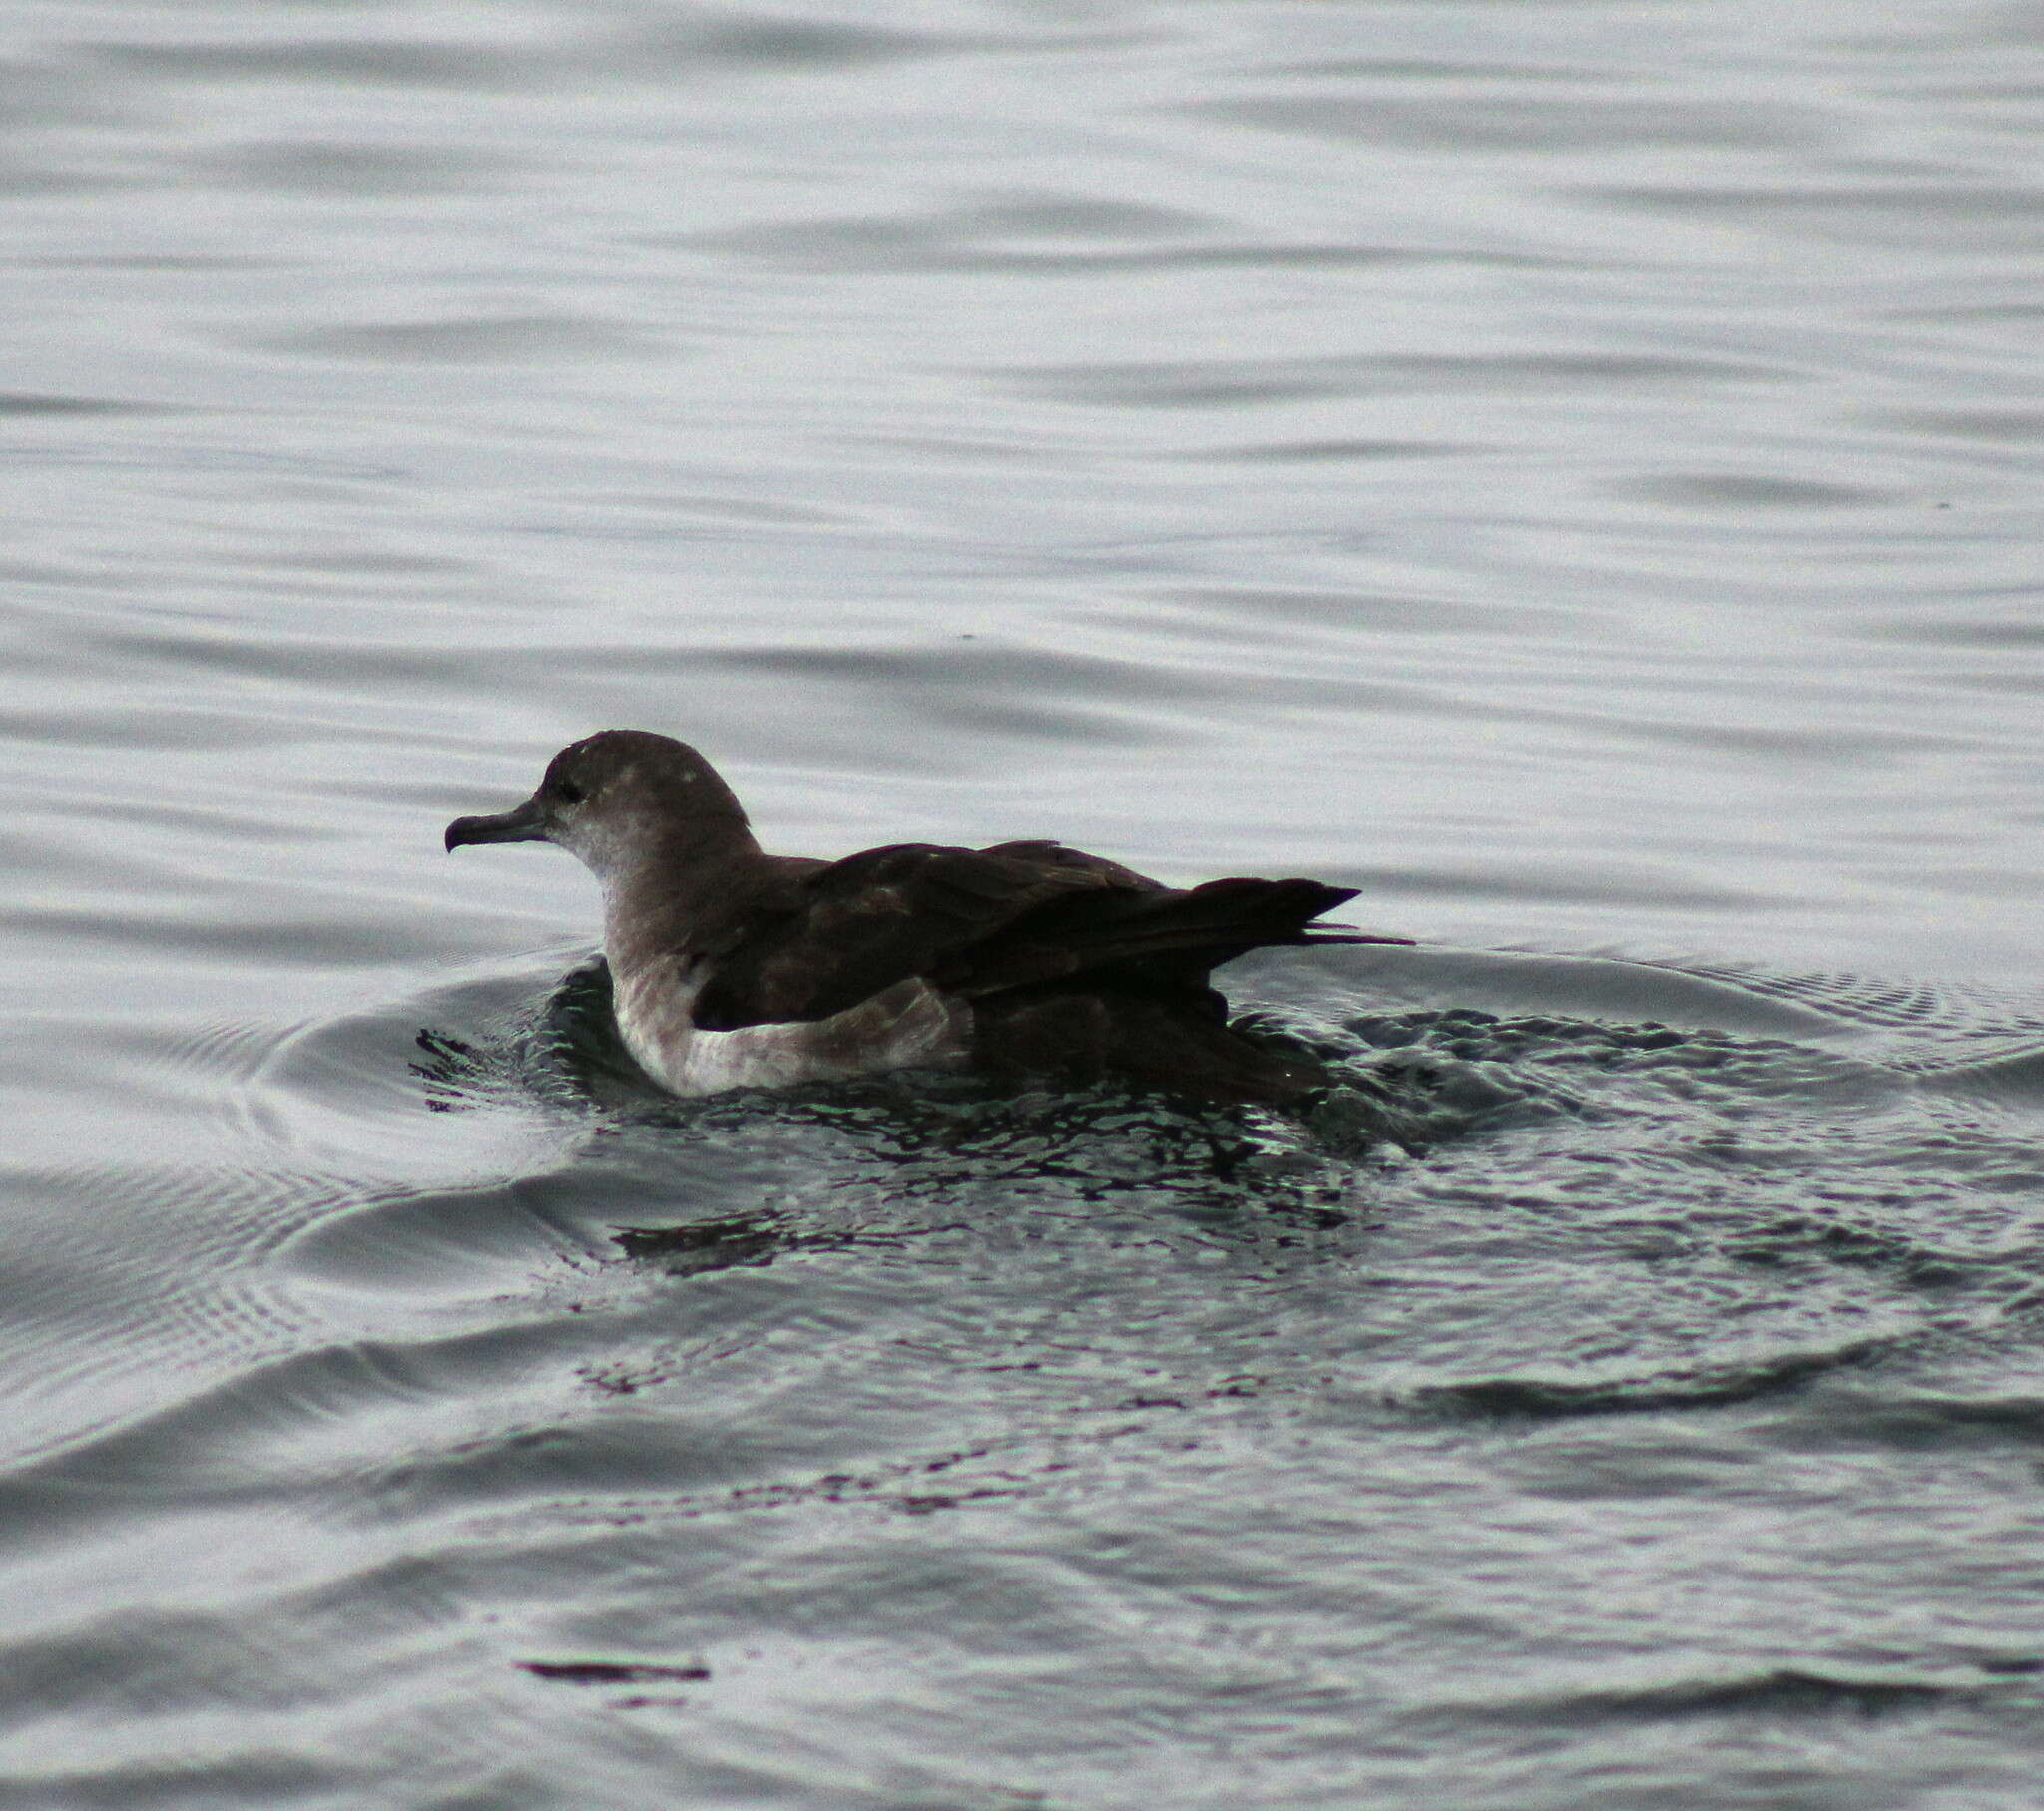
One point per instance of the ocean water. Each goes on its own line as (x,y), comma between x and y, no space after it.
(1568,470)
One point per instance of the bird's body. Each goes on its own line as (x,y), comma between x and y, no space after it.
(734,967)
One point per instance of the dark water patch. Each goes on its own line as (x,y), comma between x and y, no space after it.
(482,340)
(43,89)
(947,234)
(623,1468)
(1393,612)
(163,1660)
(1333,452)
(747,514)
(169,263)
(1793,1691)
(1653,998)
(2000,313)
(1235,383)
(1751,490)
(392,665)
(2012,632)
(22,405)
(614,1672)
(1022,1466)
(743,40)
(1190,260)
(740,1240)
(1066,235)
(375,61)
(1508,122)
(1899,1416)
(982,692)
(1819,1236)
(1857,747)
(328,166)
(262,1780)
(2012,426)
(2012,1080)
(30,182)
(1917,216)
(1545,1398)
(976,672)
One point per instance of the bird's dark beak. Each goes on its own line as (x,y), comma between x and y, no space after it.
(522,823)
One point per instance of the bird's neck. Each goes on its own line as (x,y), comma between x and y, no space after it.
(676,893)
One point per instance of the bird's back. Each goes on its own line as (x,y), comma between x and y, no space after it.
(1069,962)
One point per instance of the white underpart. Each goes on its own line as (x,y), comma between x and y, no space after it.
(909,1026)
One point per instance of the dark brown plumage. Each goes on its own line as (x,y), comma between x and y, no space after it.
(1024,958)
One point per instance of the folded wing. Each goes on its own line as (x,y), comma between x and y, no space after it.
(1018,918)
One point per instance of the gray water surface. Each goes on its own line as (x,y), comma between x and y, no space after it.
(1570,471)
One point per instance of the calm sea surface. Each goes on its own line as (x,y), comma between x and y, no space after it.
(1573,471)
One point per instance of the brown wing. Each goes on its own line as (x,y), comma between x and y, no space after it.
(1162,939)
(854,927)
(981,922)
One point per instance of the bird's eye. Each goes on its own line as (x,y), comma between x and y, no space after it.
(567,791)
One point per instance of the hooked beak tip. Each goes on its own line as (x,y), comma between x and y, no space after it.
(522,825)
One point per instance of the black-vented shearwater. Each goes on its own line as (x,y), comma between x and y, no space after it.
(732,968)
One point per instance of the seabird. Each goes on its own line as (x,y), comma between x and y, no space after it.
(732,968)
